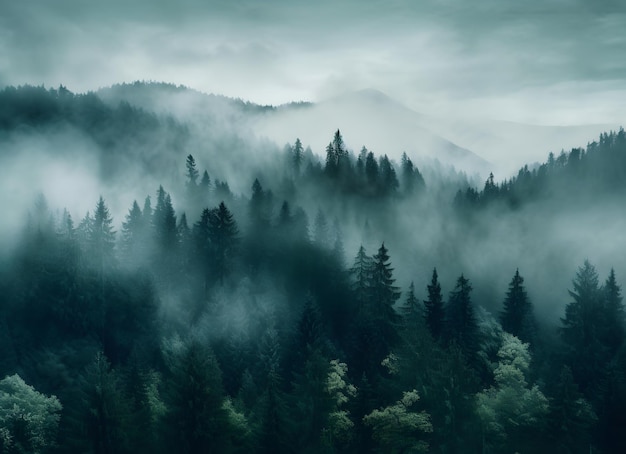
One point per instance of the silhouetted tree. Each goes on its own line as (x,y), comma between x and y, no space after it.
(461,323)
(435,312)
(517,317)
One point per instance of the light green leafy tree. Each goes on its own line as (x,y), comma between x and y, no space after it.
(340,392)
(512,409)
(28,419)
(398,427)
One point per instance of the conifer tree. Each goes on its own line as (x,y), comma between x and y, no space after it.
(461,323)
(361,273)
(204,188)
(383,296)
(197,418)
(612,325)
(132,234)
(435,312)
(298,157)
(223,235)
(517,317)
(371,171)
(192,172)
(583,349)
(412,310)
(331,167)
(102,236)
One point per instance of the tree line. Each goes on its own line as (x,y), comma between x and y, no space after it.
(244,330)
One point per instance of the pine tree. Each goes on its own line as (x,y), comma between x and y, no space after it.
(106,415)
(223,235)
(462,326)
(298,157)
(132,234)
(361,273)
(583,350)
(388,179)
(571,417)
(102,236)
(612,325)
(435,312)
(321,234)
(197,419)
(517,317)
(204,188)
(202,242)
(371,171)
(412,310)
(331,168)
(192,172)
(383,296)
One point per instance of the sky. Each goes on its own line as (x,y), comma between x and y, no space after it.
(534,61)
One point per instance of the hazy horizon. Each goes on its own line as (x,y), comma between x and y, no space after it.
(543,62)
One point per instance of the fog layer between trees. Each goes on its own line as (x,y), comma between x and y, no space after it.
(172,281)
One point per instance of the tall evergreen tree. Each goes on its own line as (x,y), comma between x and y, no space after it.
(412,310)
(223,235)
(435,312)
(298,157)
(384,295)
(102,236)
(361,273)
(517,317)
(132,234)
(461,323)
(612,326)
(197,418)
(331,167)
(583,350)
(192,172)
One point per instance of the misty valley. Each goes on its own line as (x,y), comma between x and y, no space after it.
(174,279)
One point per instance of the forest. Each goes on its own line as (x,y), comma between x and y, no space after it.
(341,301)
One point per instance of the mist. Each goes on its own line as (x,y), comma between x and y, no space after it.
(348,227)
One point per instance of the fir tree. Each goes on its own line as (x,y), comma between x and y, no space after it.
(102,236)
(434,313)
(462,326)
(517,316)
(223,235)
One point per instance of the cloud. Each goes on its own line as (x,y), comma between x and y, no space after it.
(442,54)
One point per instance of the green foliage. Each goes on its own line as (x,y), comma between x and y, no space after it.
(511,409)
(28,419)
(397,427)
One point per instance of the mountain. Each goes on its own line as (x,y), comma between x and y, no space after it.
(509,145)
(372,119)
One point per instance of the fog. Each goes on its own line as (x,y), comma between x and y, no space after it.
(478,139)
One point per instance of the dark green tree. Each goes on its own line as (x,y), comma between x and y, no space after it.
(434,313)
(583,350)
(132,235)
(192,172)
(196,418)
(102,236)
(298,157)
(223,236)
(517,317)
(612,325)
(331,168)
(361,273)
(461,323)
(571,418)
(412,312)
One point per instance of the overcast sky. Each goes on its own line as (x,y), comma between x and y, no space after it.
(536,61)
